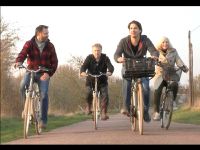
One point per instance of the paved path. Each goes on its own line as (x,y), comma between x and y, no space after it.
(117,130)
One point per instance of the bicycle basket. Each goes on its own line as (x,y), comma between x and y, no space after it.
(140,67)
(171,74)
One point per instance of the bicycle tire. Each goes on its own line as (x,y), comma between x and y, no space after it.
(133,107)
(36,113)
(99,107)
(140,109)
(27,108)
(167,111)
(95,112)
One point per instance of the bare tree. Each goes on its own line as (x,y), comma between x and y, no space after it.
(76,62)
(9,37)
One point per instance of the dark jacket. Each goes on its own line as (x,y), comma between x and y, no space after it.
(47,59)
(124,47)
(93,67)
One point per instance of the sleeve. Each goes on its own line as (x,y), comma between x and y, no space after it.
(54,61)
(85,65)
(109,65)
(179,61)
(24,52)
(152,50)
(119,51)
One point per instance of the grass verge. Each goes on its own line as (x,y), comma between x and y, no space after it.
(12,128)
(187,115)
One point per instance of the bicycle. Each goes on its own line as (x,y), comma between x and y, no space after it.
(170,75)
(96,101)
(31,112)
(136,69)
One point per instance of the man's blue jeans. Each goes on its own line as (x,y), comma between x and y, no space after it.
(43,87)
(127,93)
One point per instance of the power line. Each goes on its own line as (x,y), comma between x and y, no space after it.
(195,28)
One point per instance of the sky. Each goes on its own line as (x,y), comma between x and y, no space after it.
(74,29)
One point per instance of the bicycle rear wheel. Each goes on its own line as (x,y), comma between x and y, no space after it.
(140,109)
(167,111)
(27,115)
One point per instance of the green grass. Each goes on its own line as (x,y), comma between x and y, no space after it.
(12,128)
(187,115)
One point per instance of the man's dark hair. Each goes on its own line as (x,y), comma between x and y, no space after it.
(40,28)
(137,23)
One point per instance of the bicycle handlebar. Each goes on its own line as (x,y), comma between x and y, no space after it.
(159,63)
(35,71)
(97,76)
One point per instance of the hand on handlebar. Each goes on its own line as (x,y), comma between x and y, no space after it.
(84,74)
(17,64)
(121,59)
(154,58)
(108,73)
(185,68)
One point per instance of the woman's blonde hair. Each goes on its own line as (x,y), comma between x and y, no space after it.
(162,39)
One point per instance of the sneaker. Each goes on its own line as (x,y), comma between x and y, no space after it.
(174,106)
(147,117)
(156,116)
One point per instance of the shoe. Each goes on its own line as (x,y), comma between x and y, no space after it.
(42,125)
(147,117)
(174,106)
(125,112)
(104,117)
(156,116)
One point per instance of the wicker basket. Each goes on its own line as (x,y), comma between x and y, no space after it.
(140,67)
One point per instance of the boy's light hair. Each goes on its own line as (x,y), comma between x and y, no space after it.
(98,45)
(162,39)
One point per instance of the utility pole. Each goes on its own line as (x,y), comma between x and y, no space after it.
(191,100)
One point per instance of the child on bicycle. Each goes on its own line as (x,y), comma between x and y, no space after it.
(94,64)
(167,56)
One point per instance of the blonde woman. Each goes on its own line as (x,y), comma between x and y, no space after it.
(167,56)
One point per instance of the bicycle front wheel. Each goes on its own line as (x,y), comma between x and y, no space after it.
(167,110)
(95,112)
(27,115)
(140,109)
(36,113)
(133,112)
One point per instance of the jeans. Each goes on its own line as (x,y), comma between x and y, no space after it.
(158,92)
(43,88)
(104,98)
(127,93)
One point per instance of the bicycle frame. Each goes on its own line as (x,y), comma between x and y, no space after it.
(32,103)
(96,101)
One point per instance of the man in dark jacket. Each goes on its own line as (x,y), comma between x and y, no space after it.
(135,45)
(94,64)
(39,51)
